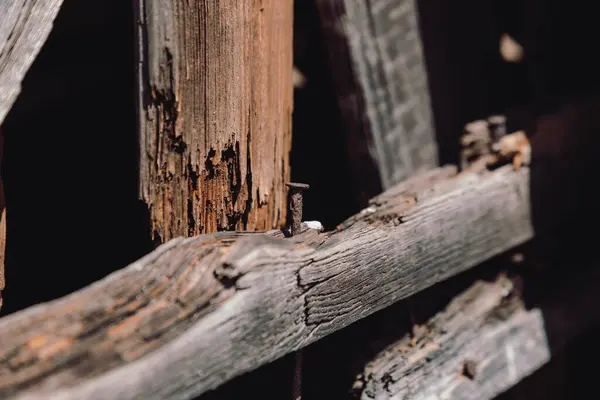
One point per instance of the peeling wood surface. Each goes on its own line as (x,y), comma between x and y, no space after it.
(24,27)
(216,90)
(197,312)
(378,68)
(483,343)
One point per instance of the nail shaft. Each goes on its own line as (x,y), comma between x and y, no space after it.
(295,205)
(296,200)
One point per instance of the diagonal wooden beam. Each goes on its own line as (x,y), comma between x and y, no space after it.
(197,312)
(24,28)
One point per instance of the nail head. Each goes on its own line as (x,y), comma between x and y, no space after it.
(295,185)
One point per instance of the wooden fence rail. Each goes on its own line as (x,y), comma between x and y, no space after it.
(197,312)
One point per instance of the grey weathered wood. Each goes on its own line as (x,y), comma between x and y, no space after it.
(197,312)
(490,327)
(24,27)
(486,328)
(378,69)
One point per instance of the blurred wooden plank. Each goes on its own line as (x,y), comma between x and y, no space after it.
(483,343)
(486,341)
(24,27)
(378,70)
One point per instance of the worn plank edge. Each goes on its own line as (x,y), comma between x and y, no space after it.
(483,343)
(24,28)
(489,326)
(289,293)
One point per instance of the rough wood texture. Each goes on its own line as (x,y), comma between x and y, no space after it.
(483,343)
(216,90)
(24,27)
(487,326)
(205,309)
(379,72)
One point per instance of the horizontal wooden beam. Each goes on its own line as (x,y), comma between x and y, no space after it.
(485,342)
(197,312)
(24,27)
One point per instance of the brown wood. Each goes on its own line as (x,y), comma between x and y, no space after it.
(205,309)
(378,70)
(24,27)
(216,90)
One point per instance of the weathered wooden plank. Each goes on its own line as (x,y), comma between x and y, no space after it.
(24,27)
(483,343)
(199,311)
(379,73)
(215,106)
(488,330)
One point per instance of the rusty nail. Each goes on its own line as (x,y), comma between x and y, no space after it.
(296,190)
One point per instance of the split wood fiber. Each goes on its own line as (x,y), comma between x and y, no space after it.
(215,107)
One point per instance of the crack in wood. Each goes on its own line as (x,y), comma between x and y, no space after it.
(215,129)
(283,294)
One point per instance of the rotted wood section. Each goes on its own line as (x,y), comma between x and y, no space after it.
(197,312)
(215,105)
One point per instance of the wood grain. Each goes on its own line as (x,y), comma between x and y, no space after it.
(215,105)
(483,343)
(24,27)
(197,312)
(489,326)
(378,70)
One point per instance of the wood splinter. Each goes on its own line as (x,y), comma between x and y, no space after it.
(485,143)
(515,146)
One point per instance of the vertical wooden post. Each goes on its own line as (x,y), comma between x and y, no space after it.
(215,105)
